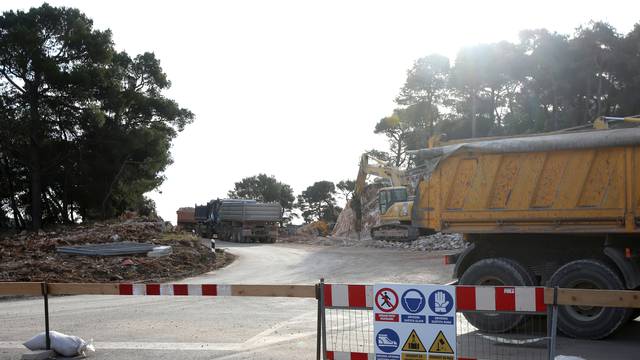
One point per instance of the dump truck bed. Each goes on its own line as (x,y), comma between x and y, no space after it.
(250,211)
(585,182)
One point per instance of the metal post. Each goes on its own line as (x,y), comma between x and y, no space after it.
(44,288)
(319,323)
(554,325)
(323,321)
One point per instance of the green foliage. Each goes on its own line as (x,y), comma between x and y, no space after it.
(346,187)
(264,188)
(84,129)
(547,81)
(317,202)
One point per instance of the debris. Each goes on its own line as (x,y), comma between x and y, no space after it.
(127,262)
(346,223)
(33,257)
(65,345)
(108,249)
(160,251)
(435,242)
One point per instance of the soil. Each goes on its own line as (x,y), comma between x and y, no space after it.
(33,256)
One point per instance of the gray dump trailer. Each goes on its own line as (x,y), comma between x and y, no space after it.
(239,220)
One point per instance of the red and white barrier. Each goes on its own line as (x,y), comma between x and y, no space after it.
(339,355)
(342,295)
(500,298)
(175,289)
(468,298)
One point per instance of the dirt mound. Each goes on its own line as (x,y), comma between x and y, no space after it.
(346,223)
(33,256)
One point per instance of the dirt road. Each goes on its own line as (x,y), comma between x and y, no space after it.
(239,328)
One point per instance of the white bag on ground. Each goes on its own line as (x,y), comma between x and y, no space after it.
(65,345)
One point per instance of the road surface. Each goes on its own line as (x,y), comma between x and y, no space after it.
(236,327)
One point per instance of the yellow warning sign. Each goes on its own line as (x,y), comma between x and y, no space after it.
(441,345)
(413,343)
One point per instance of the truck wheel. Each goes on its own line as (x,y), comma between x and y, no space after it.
(589,322)
(496,272)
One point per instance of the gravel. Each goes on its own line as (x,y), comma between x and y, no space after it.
(438,241)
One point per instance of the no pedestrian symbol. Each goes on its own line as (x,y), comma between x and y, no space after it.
(386,300)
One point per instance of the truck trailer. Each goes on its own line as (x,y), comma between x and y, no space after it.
(239,220)
(560,209)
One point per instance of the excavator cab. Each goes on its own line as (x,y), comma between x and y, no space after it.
(391,195)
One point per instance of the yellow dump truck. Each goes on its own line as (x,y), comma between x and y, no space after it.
(558,210)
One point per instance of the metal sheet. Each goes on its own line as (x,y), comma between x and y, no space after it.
(107,249)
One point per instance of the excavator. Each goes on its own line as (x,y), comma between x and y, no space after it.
(394,201)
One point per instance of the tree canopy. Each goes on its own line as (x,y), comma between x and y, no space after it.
(317,202)
(264,188)
(84,129)
(546,81)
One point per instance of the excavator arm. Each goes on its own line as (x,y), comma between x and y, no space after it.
(381,169)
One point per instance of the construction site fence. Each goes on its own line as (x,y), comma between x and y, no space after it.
(348,321)
(345,317)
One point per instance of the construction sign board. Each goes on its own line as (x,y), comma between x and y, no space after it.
(414,322)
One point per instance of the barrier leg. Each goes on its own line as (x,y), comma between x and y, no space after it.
(319,323)
(323,321)
(554,325)
(45,296)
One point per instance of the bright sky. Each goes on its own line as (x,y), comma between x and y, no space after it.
(294,88)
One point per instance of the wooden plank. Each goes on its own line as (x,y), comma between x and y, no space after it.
(304,291)
(20,288)
(588,297)
(83,289)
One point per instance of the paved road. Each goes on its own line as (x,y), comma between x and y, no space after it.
(241,328)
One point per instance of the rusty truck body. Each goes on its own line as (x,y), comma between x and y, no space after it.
(559,210)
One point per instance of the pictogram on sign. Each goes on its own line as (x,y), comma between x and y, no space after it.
(387,340)
(413,343)
(413,301)
(441,345)
(440,302)
(386,300)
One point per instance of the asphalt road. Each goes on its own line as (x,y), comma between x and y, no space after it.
(242,328)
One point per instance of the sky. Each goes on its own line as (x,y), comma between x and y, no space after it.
(294,88)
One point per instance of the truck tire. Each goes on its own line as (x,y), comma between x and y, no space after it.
(589,322)
(496,272)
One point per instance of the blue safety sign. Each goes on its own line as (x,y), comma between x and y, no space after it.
(387,340)
(413,301)
(440,302)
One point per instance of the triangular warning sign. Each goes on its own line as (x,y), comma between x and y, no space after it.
(413,343)
(441,345)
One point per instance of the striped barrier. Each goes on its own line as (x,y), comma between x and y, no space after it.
(13,288)
(348,296)
(340,355)
(468,298)
(500,298)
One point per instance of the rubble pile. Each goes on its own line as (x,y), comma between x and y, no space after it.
(33,256)
(437,241)
(346,223)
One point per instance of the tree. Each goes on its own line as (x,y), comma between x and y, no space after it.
(83,129)
(426,88)
(398,132)
(317,202)
(265,189)
(346,187)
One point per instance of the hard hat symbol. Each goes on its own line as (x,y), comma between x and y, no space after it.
(413,301)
